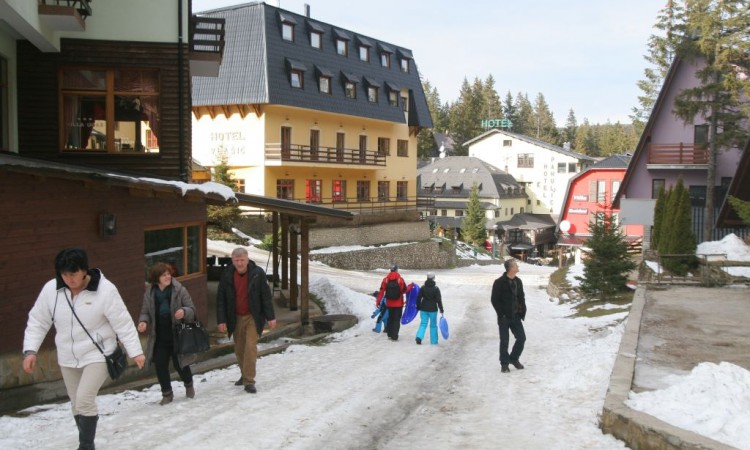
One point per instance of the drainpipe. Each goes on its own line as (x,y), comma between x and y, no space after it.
(181,101)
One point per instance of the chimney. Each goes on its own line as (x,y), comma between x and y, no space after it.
(307,10)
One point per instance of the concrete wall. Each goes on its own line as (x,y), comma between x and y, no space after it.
(373,234)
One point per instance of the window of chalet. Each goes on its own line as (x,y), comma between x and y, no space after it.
(526,160)
(402,147)
(656,185)
(404,65)
(181,247)
(393,98)
(364,53)
(383,190)
(4,115)
(385,59)
(384,146)
(363,191)
(240,183)
(342,47)
(314,144)
(285,189)
(316,39)
(325,84)
(296,78)
(109,110)
(340,140)
(507,142)
(372,94)
(338,190)
(350,89)
(313,191)
(459,213)
(402,190)
(287,31)
(562,167)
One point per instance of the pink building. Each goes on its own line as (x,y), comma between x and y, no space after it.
(669,148)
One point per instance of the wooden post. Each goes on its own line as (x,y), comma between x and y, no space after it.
(275,252)
(305,268)
(284,251)
(293,287)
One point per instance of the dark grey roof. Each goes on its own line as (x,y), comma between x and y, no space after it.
(457,174)
(528,221)
(613,162)
(254,68)
(531,140)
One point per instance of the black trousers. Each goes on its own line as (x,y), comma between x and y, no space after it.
(516,327)
(163,352)
(394,322)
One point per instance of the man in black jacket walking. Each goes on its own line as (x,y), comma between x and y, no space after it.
(509,302)
(244,303)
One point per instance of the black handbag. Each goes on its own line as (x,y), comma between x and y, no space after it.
(191,338)
(116,361)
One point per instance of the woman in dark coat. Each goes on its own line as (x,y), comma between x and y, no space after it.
(428,302)
(165,302)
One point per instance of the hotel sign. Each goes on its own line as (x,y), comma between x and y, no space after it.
(578,211)
(497,123)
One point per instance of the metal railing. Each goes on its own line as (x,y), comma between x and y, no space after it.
(682,154)
(207,35)
(366,205)
(704,270)
(324,155)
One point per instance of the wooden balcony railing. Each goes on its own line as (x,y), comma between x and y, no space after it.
(324,155)
(365,205)
(677,154)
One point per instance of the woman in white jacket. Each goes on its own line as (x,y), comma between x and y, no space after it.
(98,305)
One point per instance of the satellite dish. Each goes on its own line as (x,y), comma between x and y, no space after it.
(564,226)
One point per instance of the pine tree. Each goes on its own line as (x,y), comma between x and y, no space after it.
(493,108)
(224,217)
(665,225)
(524,116)
(544,121)
(473,225)
(679,240)
(569,132)
(509,109)
(585,142)
(659,209)
(465,115)
(719,32)
(606,268)
(661,52)
(742,208)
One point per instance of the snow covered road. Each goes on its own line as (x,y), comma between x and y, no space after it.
(364,391)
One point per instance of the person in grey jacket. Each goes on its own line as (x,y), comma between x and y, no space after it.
(429,301)
(244,303)
(165,302)
(509,302)
(98,305)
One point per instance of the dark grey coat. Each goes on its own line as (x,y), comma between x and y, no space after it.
(508,302)
(180,299)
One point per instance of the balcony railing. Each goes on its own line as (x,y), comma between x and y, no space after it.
(324,155)
(681,154)
(64,15)
(365,205)
(206,45)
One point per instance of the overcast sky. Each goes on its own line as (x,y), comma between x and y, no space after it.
(581,54)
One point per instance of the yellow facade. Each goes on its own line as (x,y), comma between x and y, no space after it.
(251,138)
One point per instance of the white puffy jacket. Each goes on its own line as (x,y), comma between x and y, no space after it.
(101,310)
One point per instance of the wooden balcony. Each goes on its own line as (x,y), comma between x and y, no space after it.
(64,15)
(324,155)
(365,205)
(206,45)
(677,156)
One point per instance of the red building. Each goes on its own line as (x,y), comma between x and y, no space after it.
(590,193)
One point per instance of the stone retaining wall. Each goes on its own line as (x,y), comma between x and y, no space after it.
(429,254)
(371,234)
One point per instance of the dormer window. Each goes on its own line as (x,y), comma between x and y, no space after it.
(325,85)
(385,60)
(393,93)
(364,53)
(287,31)
(296,73)
(372,94)
(404,65)
(350,89)
(342,47)
(405,57)
(316,39)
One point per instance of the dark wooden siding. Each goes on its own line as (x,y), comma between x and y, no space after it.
(42,215)
(38,103)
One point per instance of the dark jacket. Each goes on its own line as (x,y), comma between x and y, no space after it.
(399,302)
(180,299)
(505,301)
(260,298)
(429,299)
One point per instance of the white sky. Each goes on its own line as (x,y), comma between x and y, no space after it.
(581,54)
(363,391)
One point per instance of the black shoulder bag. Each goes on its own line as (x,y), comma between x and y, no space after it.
(191,338)
(116,361)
